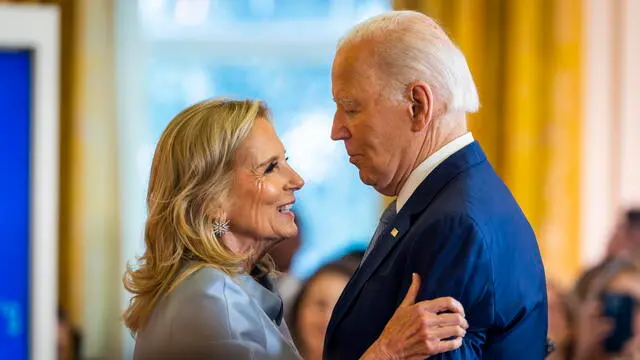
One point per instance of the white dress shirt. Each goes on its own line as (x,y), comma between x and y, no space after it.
(425,168)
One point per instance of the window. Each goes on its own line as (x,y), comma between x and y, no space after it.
(173,53)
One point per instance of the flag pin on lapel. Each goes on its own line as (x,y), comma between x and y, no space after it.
(394,232)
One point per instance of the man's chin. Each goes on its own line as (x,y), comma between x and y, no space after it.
(367,179)
(382,188)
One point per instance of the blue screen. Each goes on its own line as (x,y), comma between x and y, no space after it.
(15,119)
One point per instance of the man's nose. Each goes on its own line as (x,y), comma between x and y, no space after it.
(338,130)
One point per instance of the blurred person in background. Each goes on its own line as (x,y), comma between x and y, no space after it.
(607,324)
(624,243)
(561,322)
(626,238)
(355,254)
(311,309)
(69,338)
(219,198)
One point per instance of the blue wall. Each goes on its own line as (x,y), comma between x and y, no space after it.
(15,119)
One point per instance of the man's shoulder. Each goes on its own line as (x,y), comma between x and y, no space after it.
(476,183)
(494,220)
(446,230)
(480,197)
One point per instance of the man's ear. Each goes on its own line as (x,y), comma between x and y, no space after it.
(421,99)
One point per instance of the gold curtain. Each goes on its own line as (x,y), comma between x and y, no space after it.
(525,58)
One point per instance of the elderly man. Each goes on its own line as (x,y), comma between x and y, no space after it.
(402,90)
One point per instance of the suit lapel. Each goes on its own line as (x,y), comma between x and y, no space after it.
(425,193)
(384,245)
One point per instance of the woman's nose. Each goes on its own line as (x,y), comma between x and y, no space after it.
(296,182)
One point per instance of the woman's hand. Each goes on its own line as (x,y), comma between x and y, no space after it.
(631,349)
(591,330)
(418,330)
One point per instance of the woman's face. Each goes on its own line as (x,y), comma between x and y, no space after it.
(262,192)
(315,311)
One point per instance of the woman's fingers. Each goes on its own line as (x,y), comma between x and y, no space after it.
(603,327)
(443,304)
(432,343)
(451,320)
(447,332)
(419,329)
(410,297)
(447,345)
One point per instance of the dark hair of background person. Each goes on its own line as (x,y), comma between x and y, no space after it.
(344,266)
(633,218)
(355,255)
(633,229)
(601,275)
(75,336)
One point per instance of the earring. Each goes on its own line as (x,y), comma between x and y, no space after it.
(220,226)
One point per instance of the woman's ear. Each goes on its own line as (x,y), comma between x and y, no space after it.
(217,211)
(421,99)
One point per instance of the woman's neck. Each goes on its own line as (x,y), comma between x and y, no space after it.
(254,248)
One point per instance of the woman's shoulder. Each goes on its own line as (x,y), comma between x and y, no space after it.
(201,310)
(204,277)
(208,283)
(207,297)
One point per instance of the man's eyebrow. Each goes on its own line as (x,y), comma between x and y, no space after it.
(345,102)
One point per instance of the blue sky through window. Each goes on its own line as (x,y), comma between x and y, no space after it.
(338,212)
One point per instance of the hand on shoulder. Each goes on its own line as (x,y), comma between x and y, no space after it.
(419,330)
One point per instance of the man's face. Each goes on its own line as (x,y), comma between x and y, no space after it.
(375,129)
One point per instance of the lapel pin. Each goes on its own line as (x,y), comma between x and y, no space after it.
(394,232)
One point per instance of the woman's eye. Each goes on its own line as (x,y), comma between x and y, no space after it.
(271,167)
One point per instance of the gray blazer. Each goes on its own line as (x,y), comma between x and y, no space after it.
(211,315)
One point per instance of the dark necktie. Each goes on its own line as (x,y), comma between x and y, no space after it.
(387,217)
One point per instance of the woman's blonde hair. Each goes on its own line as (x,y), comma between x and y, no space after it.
(191,174)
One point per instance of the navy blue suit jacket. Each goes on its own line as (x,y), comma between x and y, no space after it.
(466,236)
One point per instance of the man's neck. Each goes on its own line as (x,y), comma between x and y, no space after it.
(448,128)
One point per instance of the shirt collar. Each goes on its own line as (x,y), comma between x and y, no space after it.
(263,292)
(420,173)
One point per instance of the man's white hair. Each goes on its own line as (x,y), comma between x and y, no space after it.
(410,46)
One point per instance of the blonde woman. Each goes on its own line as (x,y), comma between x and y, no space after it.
(220,196)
